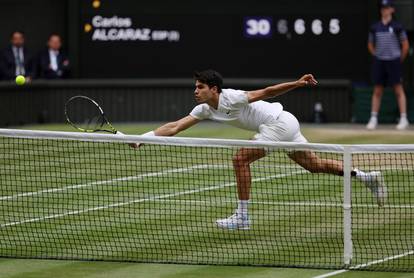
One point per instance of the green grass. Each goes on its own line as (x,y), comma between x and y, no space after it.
(118,219)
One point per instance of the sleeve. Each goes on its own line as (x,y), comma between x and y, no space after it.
(235,99)
(371,34)
(200,112)
(403,35)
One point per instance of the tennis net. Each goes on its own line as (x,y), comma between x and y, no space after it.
(91,197)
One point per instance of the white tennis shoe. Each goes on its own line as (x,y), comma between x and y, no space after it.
(372,124)
(234,222)
(402,124)
(375,182)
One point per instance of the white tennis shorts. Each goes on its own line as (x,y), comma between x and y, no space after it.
(286,128)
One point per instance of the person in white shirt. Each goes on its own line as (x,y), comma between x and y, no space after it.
(247,110)
(53,62)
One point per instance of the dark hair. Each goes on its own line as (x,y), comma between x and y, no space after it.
(54,35)
(210,77)
(386,3)
(15,32)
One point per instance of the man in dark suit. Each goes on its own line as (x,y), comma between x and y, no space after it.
(53,63)
(15,59)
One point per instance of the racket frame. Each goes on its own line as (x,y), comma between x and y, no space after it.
(105,119)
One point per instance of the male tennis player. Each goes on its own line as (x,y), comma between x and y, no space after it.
(247,110)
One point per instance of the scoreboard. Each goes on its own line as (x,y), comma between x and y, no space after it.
(246,38)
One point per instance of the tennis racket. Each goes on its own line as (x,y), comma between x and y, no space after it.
(85,114)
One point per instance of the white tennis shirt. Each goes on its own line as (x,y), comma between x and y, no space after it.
(234,109)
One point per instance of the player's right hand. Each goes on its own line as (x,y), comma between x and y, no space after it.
(132,145)
(135,145)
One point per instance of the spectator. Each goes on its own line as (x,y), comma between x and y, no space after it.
(388,43)
(15,59)
(53,63)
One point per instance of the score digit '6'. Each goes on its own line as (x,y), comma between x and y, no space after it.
(317,28)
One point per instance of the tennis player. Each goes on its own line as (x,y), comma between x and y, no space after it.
(247,110)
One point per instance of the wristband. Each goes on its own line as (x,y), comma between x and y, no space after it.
(149,133)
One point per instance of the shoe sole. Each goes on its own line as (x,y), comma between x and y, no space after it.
(233,228)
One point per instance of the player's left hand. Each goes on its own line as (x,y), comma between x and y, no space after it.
(307,80)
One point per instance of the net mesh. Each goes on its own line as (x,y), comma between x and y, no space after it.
(91,197)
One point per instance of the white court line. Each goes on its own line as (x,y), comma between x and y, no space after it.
(330,274)
(128,178)
(76,212)
(282,203)
(383,260)
(146,175)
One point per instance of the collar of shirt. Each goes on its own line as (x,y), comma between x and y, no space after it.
(53,59)
(53,52)
(18,52)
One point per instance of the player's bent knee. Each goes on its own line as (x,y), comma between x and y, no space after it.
(239,160)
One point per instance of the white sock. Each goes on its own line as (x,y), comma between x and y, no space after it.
(242,207)
(374,114)
(403,116)
(361,175)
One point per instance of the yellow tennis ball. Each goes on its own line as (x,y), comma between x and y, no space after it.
(20,80)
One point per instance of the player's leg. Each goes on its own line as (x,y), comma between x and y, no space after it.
(401,99)
(241,163)
(375,106)
(402,105)
(379,76)
(314,164)
(394,70)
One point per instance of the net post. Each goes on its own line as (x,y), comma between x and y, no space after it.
(347,206)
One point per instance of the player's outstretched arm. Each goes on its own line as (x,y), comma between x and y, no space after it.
(279,89)
(172,128)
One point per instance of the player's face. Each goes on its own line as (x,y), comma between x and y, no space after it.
(203,92)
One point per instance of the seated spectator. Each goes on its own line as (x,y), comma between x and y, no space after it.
(53,63)
(15,59)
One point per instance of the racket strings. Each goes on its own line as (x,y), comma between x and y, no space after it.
(84,114)
(94,123)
